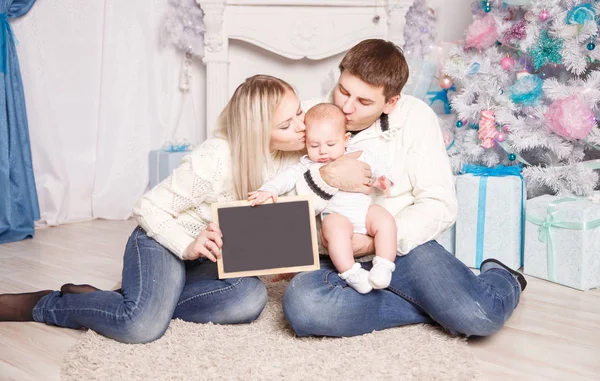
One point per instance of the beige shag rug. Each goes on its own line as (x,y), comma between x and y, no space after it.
(268,350)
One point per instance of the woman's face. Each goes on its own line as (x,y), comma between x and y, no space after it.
(287,133)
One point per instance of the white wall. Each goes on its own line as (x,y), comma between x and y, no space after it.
(453,18)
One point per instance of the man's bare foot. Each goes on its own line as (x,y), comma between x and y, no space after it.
(19,307)
(70,288)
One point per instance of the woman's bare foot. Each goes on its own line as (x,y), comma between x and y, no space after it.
(19,307)
(70,288)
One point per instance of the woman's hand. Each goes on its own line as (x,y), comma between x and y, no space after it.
(260,197)
(348,174)
(207,244)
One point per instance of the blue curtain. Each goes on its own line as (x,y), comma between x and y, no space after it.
(18,198)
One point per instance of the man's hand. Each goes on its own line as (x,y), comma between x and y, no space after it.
(348,174)
(260,197)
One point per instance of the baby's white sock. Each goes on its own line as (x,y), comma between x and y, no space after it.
(380,275)
(357,278)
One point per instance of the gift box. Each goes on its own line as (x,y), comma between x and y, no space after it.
(448,239)
(490,215)
(162,163)
(562,240)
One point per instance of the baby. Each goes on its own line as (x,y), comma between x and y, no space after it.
(346,213)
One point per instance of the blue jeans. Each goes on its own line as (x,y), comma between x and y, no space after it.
(429,285)
(157,286)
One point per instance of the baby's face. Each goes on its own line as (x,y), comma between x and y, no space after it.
(325,141)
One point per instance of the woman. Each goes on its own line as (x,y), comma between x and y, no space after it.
(169,268)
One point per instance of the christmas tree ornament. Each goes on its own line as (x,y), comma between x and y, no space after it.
(487,128)
(570,118)
(459,123)
(547,50)
(482,33)
(516,32)
(512,157)
(446,82)
(500,136)
(527,90)
(507,63)
(544,15)
(591,46)
(581,13)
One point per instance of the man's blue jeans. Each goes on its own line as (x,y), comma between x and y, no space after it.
(429,285)
(157,286)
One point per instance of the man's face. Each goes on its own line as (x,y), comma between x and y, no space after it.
(361,102)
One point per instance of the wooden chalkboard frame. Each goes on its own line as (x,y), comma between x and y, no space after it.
(279,270)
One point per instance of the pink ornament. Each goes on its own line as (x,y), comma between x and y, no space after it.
(570,118)
(515,32)
(507,63)
(500,136)
(544,15)
(506,128)
(445,82)
(487,128)
(482,33)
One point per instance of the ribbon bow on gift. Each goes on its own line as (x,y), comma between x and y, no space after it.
(550,221)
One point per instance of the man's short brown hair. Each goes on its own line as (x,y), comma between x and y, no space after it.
(378,63)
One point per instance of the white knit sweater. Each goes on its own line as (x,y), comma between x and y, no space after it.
(423,198)
(176,210)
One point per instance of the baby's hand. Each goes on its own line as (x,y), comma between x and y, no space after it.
(384,184)
(260,197)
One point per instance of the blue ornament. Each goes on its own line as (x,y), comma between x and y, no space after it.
(474,126)
(547,50)
(527,90)
(591,46)
(512,157)
(581,13)
(487,8)
(474,68)
(459,123)
(441,95)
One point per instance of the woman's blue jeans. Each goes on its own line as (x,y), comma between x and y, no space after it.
(429,285)
(157,287)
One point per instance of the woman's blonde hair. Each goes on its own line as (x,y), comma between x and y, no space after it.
(246,122)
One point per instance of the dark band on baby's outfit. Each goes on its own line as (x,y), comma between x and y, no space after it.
(315,188)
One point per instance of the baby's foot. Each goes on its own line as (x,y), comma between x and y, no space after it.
(380,275)
(357,278)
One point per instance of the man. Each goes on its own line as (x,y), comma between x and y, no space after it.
(429,284)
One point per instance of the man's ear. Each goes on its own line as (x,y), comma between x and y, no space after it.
(391,104)
(346,137)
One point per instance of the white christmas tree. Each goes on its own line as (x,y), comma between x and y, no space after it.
(529,92)
(420,31)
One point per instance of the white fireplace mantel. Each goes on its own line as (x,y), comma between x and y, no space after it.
(295,29)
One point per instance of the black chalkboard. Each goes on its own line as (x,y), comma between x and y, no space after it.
(267,239)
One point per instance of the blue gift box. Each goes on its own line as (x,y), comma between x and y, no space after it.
(162,163)
(490,215)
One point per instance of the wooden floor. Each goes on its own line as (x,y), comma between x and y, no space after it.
(553,335)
